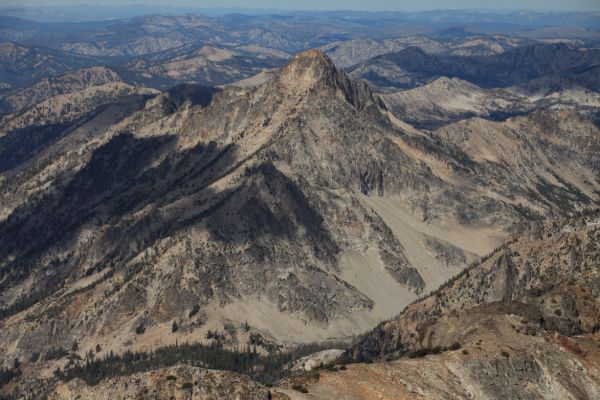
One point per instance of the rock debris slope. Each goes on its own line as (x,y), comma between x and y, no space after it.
(301,206)
(522,323)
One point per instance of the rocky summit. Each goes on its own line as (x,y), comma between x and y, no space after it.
(231,207)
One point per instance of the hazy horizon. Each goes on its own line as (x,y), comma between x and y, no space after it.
(332,5)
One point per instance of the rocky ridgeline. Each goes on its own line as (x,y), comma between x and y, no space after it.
(179,383)
(215,208)
(547,276)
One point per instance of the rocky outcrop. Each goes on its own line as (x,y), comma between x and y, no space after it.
(496,362)
(317,361)
(521,324)
(546,276)
(179,383)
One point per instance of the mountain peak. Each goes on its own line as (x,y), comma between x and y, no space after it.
(313,69)
(314,55)
(310,66)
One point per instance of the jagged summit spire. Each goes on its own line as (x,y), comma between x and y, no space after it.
(312,58)
(309,66)
(312,54)
(313,69)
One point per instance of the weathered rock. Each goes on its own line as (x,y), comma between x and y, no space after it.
(178,383)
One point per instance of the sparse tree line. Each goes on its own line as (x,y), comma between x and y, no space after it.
(266,369)
(7,374)
(263,368)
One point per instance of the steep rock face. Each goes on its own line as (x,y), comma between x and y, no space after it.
(547,276)
(300,205)
(521,324)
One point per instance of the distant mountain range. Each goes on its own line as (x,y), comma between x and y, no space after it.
(511,67)
(493,18)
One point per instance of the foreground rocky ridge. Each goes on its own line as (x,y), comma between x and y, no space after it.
(548,276)
(504,364)
(300,206)
(180,382)
(521,324)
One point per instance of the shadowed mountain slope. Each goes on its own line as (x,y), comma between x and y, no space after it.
(300,206)
(413,67)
